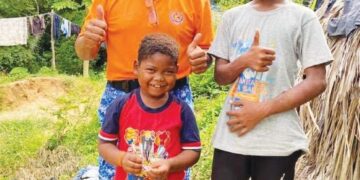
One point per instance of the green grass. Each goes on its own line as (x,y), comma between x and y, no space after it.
(83,140)
(227,4)
(4,79)
(206,118)
(19,141)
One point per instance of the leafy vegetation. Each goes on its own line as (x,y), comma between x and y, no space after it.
(18,73)
(206,118)
(66,59)
(46,71)
(205,86)
(16,56)
(226,4)
(18,8)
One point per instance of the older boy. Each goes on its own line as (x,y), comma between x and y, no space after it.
(258,44)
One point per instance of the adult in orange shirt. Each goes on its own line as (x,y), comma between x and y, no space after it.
(121,24)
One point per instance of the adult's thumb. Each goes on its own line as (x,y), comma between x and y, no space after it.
(100,12)
(196,40)
(256,41)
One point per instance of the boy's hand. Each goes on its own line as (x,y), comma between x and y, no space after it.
(95,30)
(197,56)
(159,170)
(131,163)
(247,116)
(259,58)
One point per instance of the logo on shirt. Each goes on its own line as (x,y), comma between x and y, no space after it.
(176,17)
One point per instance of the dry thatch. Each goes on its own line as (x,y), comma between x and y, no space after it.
(332,120)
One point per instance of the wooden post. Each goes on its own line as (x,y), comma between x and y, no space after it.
(53,64)
(86,68)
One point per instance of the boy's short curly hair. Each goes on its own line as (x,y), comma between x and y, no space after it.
(158,43)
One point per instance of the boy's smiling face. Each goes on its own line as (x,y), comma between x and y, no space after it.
(156,75)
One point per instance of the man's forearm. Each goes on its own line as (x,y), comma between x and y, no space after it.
(184,160)
(86,49)
(296,96)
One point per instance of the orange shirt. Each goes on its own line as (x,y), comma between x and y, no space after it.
(128,22)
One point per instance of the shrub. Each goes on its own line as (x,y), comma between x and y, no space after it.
(18,73)
(204,85)
(68,62)
(16,56)
(29,56)
(227,4)
(66,59)
(47,71)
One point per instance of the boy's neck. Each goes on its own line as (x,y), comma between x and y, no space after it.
(153,102)
(265,5)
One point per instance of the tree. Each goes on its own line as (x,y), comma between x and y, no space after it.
(18,8)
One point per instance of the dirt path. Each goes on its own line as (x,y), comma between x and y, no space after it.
(36,96)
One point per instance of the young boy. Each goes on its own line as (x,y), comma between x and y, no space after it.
(257,48)
(150,133)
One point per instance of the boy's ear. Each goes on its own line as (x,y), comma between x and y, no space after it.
(136,67)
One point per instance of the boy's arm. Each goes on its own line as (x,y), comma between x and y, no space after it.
(313,85)
(108,137)
(251,113)
(110,152)
(257,58)
(185,159)
(226,72)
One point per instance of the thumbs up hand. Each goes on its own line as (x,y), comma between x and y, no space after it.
(259,58)
(95,30)
(197,56)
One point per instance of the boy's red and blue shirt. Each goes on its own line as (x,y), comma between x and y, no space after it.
(159,133)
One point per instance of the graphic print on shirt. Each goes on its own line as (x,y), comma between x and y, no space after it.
(250,85)
(149,145)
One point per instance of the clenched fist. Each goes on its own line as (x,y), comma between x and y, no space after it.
(95,30)
(197,56)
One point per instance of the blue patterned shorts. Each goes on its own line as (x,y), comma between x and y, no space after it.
(106,170)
